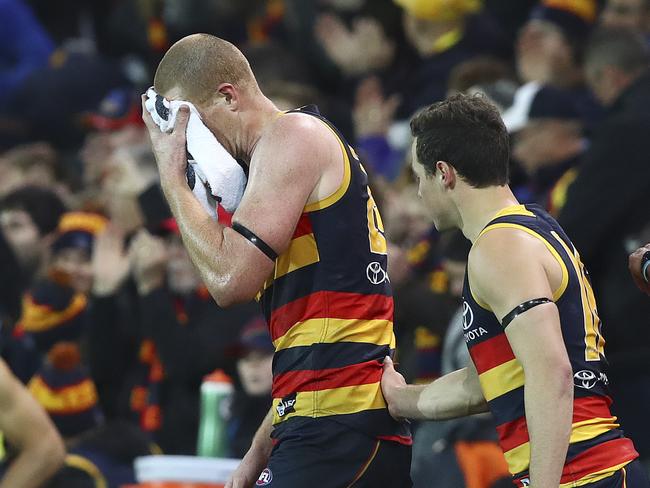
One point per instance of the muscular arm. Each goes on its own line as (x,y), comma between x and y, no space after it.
(507,268)
(256,458)
(284,173)
(27,427)
(456,394)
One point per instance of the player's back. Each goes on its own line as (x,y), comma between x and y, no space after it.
(329,307)
(597,446)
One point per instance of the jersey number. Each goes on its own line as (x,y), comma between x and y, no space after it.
(594,341)
(375,227)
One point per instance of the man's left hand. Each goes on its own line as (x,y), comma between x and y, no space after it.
(169,148)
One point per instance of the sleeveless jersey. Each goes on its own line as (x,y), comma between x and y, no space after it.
(597,447)
(329,307)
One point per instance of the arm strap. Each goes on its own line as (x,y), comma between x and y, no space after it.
(519,309)
(256,241)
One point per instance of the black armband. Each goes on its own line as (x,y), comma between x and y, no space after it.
(256,241)
(519,309)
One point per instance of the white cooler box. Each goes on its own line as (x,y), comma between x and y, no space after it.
(189,469)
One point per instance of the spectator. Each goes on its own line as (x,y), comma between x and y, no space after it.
(99,454)
(24,47)
(51,312)
(28,218)
(604,212)
(547,141)
(252,399)
(551,43)
(73,247)
(443,37)
(550,49)
(627,14)
(149,352)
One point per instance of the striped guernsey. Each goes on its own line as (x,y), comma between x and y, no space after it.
(597,447)
(329,307)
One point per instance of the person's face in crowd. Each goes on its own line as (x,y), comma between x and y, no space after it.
(182,277)
(545,142)
(255,372)
(346,5)
(23,237)
(542,52)
(433,193)
(456,272)
(605,82)
(422,33)
(76,264)
(627,14)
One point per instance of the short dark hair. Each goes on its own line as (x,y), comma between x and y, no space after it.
(622,48)
(467,132)
(43,206)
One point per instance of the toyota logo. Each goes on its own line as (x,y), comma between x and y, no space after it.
(376,274)
(585,379)
(468,316)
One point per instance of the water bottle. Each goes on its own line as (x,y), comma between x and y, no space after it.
(216,395)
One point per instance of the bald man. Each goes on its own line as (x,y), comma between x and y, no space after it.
(307,241)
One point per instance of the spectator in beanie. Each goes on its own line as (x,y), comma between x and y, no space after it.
(149,353)
(550,49)
(28,216)
(98,454)
(252,398)
(606,208)
(51,312)
(73,247)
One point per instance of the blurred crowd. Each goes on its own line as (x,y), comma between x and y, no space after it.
(104,318)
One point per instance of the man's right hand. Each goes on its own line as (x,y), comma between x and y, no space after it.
(392,383)
(635,265)
(249,469)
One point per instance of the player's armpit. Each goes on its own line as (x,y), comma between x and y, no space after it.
(508,267)
(286,169)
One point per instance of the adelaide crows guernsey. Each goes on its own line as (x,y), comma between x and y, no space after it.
(597,447)
(329,307)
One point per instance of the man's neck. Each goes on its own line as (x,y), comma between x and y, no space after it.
(254,125)
(479,206)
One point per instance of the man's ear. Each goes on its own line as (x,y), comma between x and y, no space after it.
(446,174)
(229,94)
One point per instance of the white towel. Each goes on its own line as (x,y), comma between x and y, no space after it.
(221,176)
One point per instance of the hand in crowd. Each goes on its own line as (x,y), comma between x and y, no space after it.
(635,263)
(358,50)
(373,113)
(148,260)
(110,261)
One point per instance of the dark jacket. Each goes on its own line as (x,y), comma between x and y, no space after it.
(605,213)
(188,348)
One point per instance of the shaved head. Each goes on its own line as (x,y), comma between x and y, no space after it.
(197,64)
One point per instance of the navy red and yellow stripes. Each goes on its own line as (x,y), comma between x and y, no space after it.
(597,448)
(326,379)
(332,325)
